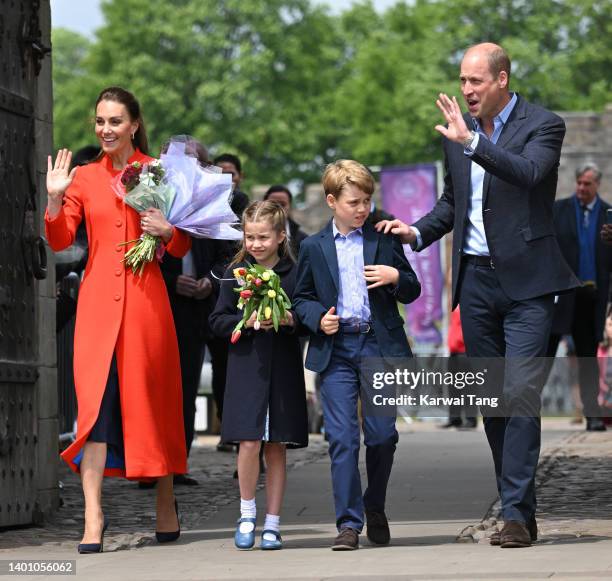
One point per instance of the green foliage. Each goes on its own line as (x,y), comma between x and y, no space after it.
(289,86)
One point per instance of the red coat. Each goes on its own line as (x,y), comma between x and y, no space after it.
(129,315)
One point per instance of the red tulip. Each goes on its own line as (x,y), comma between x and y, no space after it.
(242,271)
(246,294)
(235,336)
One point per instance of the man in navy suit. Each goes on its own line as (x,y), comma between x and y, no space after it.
(350,279)
(582,313)
(501,162)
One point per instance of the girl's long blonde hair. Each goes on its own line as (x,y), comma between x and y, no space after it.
(264,211)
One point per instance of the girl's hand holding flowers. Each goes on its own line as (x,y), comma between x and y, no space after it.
(261,299)
(153,222)
(288,320)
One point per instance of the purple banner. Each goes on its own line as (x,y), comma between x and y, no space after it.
(409,192)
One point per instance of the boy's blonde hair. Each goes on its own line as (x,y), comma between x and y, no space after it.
(343,172)
(264,211)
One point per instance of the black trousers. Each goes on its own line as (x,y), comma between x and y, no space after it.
(191,351)
(494,326)
(585,341)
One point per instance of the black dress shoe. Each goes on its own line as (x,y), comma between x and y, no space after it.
(221,447)
(532,527)
(172,535)
(184,480)
(454,423)
(347,540)
(86,548)
(146,484)
(515,535)
(595,425)
(377,529)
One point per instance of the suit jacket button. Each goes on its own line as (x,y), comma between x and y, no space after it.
(118,223)
(119,248)
(118,272)
(117,297)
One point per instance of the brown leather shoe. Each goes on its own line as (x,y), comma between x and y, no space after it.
(514,535)
(532,527)
(377,529)
(347,540)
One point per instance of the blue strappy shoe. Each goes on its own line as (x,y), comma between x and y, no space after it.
(244,541)
(274,545)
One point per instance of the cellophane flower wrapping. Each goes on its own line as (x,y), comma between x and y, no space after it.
(194,198)
(259,291)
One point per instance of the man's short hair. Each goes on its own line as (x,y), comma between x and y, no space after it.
(279,188)
(229,158)
(499,61)
(343,172)
(589,166)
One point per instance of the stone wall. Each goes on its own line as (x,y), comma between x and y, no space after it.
(588,138)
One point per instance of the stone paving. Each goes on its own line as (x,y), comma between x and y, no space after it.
(131,510)
(574,490)
(574,496)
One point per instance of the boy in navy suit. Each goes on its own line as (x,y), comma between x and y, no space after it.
(350,279)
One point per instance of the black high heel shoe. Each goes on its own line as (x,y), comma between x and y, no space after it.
(173,535)
(85,548)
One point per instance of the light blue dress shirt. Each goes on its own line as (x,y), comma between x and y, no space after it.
(475,241)
(353,302)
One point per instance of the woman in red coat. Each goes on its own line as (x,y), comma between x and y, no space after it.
(126,361)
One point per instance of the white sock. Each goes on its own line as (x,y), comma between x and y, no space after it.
(247,510)
(273,524)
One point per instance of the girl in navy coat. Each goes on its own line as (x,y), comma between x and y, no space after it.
(265,397)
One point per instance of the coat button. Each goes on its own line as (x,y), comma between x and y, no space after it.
(118,248)
(117,297)
(118,223)
(118,272)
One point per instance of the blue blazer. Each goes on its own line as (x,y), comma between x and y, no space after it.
(318,285)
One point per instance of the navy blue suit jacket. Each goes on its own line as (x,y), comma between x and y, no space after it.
(318,284)
(518,194)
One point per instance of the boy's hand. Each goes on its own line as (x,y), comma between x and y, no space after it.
(380,274)
(330,323)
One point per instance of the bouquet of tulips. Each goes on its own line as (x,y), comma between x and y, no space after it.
(259,292)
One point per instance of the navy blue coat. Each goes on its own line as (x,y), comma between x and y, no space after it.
(265,373)
(318,285)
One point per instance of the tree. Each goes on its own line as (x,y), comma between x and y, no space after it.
(74,90)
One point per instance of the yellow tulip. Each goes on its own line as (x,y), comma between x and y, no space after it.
(268,312)
(266,276)
(271,293)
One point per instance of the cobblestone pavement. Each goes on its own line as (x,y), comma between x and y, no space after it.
(132,510)
(574,490)
(574,496)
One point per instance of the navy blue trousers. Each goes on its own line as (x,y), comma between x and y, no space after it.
(340,387)
(496,326)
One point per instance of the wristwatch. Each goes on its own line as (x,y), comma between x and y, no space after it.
(468,141)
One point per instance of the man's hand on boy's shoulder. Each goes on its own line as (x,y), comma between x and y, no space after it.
(407,234)
(330,322)
(380,274)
